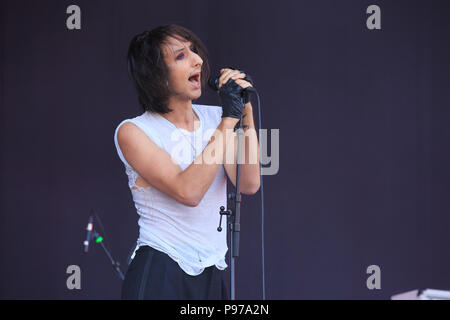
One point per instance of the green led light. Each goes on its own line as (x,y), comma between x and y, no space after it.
(99,239)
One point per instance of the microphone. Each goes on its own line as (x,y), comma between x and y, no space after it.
(89,229)
(214,84)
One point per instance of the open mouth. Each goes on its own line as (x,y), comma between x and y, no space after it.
(195,80)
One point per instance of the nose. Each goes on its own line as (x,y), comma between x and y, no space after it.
(198,61)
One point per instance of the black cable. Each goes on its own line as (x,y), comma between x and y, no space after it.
(262,201)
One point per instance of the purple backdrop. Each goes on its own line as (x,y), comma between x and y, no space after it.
(364,142)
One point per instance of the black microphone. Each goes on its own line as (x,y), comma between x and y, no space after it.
(89,229)
(214,84)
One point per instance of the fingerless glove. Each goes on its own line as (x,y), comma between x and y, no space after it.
(245,93)
(232,102)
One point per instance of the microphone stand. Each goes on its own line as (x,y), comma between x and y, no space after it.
(115,264)
(233,218)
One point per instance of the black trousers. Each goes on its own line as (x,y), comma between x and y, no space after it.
(153,275)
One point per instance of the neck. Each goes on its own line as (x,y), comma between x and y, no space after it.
(182,115)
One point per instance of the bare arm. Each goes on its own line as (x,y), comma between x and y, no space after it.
(250,172)
(155,165)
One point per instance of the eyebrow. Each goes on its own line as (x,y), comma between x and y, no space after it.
(176,51)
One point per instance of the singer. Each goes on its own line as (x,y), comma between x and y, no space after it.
(176,157)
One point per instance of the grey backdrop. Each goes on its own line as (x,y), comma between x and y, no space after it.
(364,142)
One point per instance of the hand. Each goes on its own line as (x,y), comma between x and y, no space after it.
(231,86)
(242,79)
(246,94)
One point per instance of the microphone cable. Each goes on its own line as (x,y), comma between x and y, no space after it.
(262,199)
(214,84)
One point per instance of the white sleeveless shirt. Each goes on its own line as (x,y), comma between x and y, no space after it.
(186,234)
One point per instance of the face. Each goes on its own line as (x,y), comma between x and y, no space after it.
(185,67)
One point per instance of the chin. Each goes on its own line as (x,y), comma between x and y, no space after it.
(196,96)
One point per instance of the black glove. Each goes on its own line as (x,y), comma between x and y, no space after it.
(232,102)
(246,94)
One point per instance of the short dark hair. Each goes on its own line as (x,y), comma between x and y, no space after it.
(148,70)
